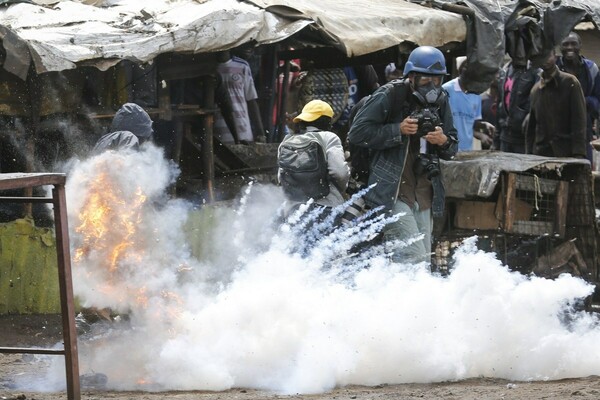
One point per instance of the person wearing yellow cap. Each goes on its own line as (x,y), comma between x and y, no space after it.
(311,161)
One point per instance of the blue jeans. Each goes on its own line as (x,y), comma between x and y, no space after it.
(413,223)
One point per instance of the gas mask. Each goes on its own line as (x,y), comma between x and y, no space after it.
(428,89)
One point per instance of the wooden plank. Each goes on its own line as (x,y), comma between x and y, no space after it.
(31,350)
(185,66)
(509,202)
(22,180)
(532,228)
(10,199)
(65,282)
(164,101)
(530,183)
(179,110)
(178,140)
(208,176)
(228,157)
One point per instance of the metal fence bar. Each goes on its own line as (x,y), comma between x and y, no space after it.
(65,280)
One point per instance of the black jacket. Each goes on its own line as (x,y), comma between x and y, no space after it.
(511,119)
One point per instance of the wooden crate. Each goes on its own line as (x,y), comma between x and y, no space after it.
(546,198)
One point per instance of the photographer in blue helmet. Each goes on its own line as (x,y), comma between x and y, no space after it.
(406,126)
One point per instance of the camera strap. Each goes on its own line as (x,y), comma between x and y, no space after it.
(439,196)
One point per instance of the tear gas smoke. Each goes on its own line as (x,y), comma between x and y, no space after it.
(287,307)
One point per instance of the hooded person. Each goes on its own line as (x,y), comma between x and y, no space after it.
(130,127)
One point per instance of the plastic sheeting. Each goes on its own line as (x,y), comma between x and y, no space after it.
(531,28)
(61,35)
(359,28)
(64,34)
(476,174)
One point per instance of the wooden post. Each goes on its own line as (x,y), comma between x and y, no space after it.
(270,88)
(65,280)
(208,176)
(178,140)
(164,101)
(281,111)
(33,88)
(509,202)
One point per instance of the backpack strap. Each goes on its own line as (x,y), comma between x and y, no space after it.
(400,98)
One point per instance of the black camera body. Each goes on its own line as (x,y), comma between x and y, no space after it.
(427,164)
(428,119)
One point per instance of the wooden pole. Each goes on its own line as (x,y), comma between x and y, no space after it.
(67,304)
(208,176)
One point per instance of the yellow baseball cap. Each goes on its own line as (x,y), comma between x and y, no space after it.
(313,110)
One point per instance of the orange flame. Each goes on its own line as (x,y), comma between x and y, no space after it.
(107,211)
(108,223)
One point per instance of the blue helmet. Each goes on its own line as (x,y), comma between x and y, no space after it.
(426,60)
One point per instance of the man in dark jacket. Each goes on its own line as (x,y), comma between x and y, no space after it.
(515,83)
(557,122)
(130,127)
(404,149)
(588,75)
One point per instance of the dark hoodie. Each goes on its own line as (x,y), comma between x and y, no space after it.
(134,119)
(130,126)
(118,140)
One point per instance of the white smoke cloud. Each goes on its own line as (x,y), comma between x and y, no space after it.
(253,314)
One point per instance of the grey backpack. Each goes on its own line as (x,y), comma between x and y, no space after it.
(304,174)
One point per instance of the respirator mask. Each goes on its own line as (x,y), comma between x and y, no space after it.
(428,89)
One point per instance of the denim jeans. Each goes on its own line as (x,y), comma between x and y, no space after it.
(413,223)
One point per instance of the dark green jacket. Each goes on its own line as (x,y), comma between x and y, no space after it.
(377,127)
(557,121)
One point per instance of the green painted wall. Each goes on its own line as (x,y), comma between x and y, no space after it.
(28,264)
(199,230)
(28,269)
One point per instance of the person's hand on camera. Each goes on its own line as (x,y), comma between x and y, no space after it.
(437,136)
(409,126)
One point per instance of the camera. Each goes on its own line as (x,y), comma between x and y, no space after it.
(427,164)
(428,119)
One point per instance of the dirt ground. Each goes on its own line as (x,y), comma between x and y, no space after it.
(27,331)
